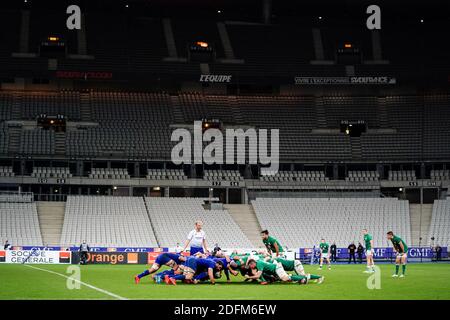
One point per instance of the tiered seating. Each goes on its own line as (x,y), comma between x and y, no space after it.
(5,106)
(400,175)
(302,222)
(37,142)
(222,175)
(404,114)
(4,139)
(351,108)
(362,176)
(167,213)
(303,176)
(109,173)
(16,197)
(166,174)
(440,223)
(65,103)
(130,125)
(138,125)
(440,174)
(51,172)
(6,172)
(197,107)
(436,135)
(107,221)
(19,224)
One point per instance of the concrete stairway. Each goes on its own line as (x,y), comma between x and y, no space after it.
(420,226)
(51,219)
(245,217)
(60,143)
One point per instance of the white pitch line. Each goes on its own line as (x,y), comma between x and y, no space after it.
(80,282)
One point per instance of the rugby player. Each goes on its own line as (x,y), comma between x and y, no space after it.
(260,269)
(297,267)
(401,250)
(368,240)
(273,245)
(194,267)
(172,260)
(324,253)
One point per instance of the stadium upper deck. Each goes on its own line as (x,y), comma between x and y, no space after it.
(117,125)
(148,43)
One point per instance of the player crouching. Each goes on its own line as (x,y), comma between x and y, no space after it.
(196,269)
(172,260)
(260,270)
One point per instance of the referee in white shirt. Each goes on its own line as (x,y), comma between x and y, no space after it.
(196,239)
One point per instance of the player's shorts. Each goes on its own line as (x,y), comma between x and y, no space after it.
(324,255)
(369,252)
(162,259)
(281,273)
(190,265)
(298,267)
(194,250)
(402,254)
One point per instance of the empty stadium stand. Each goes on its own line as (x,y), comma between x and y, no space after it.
(222,175)
(127,80)
(303,222)
(169,174)
(288,176)
(6,171)
(407,175)
(107,222)
(173,218)
(440,174)
(356,176)
(440,223)
(57,172)
(122,125)
(37,142)
(19,223)
(109,173)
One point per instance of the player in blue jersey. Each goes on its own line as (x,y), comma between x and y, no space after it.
(172,260)
(194,267)
(228,268)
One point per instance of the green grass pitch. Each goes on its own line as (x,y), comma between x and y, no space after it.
(423,281)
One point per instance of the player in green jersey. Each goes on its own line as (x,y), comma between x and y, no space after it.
(297,267)
(324,253)
(272,244)
(241,260)
(261,269)
(401,250)
(368,241)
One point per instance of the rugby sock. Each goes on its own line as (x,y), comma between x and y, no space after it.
(313,277)
(403,268)
(396,268)
(143,274)
(297,278)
